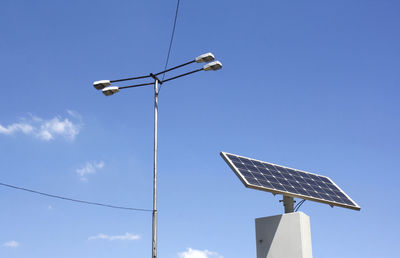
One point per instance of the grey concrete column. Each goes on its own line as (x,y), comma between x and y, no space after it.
(284,236)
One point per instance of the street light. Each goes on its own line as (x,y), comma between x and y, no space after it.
(99,85)
(108,90)
(207,57)
(216,65)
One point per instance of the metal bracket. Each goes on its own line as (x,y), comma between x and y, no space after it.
(156,78)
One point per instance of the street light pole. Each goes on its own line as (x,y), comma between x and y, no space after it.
(108,90)
(154,240)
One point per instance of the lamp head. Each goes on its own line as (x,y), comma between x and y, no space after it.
(99,85)
(216,65)
(108,91)
(207,57)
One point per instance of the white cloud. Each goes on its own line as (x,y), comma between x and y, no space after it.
(16,127)
(192,253)
(89,168)
(11,244)
(57,127)
(127,236)
(46,130)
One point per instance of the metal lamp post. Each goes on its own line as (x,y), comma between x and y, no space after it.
(108,90)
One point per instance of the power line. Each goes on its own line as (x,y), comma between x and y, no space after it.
(73,200)
(172,38)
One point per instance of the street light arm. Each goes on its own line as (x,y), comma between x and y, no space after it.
(176,67)
(132,78)
(195,71)
(136,85)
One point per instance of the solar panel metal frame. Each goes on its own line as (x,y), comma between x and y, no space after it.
(275,191)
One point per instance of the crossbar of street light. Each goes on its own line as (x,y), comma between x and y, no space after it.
(195,71)
(136,85)
(176,67)
(147,76)
(150,83)
(132,78)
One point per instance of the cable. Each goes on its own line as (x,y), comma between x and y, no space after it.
(172,39)
(297,207)
(73,200)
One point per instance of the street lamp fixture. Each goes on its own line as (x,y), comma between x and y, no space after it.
(99,85)
(108,90)
(214,66)
(207,57)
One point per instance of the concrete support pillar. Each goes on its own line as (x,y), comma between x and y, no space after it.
(284,236)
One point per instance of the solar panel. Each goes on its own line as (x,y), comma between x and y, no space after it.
(291,182)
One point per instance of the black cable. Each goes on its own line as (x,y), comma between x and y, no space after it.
(73,200)
(297,207)
(172,39)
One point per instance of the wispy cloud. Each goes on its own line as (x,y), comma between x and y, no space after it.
(192,253)
(11,244)
(127,236)
(17,127)
(74,114)
(89,168)
(46,129)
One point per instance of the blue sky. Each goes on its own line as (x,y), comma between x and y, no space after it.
(306,84)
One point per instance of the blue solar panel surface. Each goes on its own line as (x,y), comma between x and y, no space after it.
(291,182)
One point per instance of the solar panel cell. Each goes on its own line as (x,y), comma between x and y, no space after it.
(240,165)
(278,186)
(302,191)
(271,179)
(259,176)
(258,164)
(265,183)
(246,174)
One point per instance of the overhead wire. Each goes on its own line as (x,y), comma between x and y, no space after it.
(171,40)
(97,203)
(74,200)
